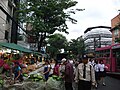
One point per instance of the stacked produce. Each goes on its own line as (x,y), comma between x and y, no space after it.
(34,82)
(35,77)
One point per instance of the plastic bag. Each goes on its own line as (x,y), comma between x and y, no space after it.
(13,87)
(26,86)
(34,85)
(52,84)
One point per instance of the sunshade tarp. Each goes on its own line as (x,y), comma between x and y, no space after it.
(15,47)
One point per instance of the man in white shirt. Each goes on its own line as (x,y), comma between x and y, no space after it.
(85,75)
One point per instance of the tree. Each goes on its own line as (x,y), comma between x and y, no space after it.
(46,16)
(76,47)
(57,42)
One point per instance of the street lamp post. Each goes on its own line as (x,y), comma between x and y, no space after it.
(97,41)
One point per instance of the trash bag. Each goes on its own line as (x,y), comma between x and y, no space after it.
(53,84)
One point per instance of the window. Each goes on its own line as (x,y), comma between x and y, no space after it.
(116,32)
(118,59)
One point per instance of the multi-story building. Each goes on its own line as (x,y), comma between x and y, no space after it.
(9,29)
(95,37)
(6,23)
(115,23)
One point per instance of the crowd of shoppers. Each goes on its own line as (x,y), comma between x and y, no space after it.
(86,73)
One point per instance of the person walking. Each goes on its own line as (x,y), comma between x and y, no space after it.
(68,75)
(56,70)
(85,75)
(97,72)
(102,68)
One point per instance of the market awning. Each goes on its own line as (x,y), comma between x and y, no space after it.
(15,47)
(37,53)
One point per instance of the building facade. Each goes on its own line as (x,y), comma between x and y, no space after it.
(97,37)
(6,23)
(115,24)
(9,29)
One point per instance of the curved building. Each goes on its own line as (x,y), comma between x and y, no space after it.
(95,37)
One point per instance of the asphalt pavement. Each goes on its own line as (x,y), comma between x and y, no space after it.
(111,84)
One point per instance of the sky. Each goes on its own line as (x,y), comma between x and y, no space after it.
(96,13)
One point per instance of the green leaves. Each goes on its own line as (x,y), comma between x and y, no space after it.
(46,16)
(57,42)
(77,46)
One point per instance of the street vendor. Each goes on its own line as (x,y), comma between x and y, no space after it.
(46,69)
(17,72)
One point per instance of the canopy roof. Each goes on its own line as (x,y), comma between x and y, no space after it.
(37,53)
(15,47)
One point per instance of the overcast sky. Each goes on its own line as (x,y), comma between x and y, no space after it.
(96,13)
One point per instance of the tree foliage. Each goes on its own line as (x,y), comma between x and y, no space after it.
(46,16)
(57,42)
(76,46)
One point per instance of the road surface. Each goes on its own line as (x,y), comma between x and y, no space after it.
(111,84)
